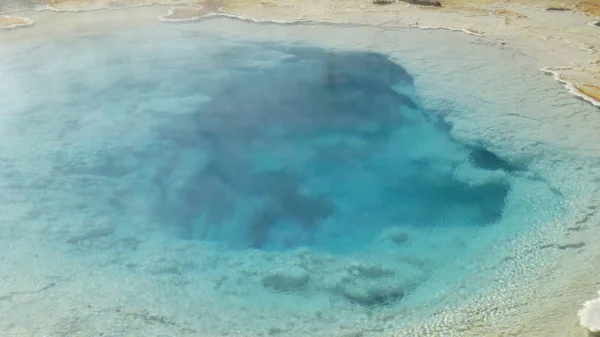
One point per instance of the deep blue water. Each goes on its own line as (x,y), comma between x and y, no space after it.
(321,149)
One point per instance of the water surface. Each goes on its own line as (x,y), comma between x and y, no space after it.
(211,179)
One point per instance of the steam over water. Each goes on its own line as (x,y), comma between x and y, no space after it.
(211,179)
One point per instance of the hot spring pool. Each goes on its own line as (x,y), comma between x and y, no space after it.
(321,150)
(230,178)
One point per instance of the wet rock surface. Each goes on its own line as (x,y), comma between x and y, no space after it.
(431,3)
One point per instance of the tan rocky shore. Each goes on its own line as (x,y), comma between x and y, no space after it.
(562,36)
(11,22)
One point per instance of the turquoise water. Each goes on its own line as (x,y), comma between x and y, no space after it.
(254,181)
(319,150)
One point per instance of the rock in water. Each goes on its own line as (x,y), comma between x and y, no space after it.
(383,2)
(376,292)
(286,279)
(373,284)
(424,2)
(396,235)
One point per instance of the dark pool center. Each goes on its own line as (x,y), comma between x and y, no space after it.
(319,149)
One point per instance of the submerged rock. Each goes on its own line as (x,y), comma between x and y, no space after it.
(286,279)
(376,292)
(486,159)
(375,284)
(396,235)
(369,270)
(383,2)
(424,2)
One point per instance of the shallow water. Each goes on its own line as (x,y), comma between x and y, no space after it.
(230,182)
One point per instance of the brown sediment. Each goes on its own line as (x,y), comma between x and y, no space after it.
(507,14)
(487,11)
(589,90)
(212,6)
(10,22)
(589,7)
